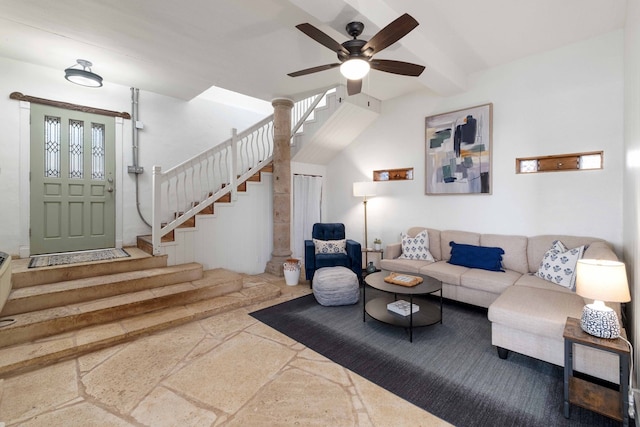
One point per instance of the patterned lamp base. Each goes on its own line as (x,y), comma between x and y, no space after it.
(600,323)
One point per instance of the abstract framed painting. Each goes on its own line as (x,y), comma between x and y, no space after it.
(458,151)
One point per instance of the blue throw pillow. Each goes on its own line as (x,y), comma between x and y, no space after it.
(483,257)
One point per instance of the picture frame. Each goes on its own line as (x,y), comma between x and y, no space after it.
(458,151)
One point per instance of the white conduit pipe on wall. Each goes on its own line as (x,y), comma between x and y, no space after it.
(136,169)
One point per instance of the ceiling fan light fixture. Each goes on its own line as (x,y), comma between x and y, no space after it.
(356,55)
(355,69)
(84,76)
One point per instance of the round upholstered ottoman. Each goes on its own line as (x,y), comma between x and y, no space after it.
(336,286)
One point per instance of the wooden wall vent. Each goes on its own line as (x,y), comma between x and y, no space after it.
(393,174)
(561,162)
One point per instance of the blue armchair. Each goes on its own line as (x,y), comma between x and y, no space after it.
(331,231)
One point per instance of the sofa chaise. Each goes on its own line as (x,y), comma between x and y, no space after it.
(527,313)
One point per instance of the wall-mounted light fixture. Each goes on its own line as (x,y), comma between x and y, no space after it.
(84,76)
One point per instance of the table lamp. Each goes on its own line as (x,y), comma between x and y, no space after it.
(364,189)
(601,280)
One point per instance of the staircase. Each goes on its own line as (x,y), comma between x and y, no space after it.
(65,311)
(145,242)
(217,174)
(187,196)
(333,125)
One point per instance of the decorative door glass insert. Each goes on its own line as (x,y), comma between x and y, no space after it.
(76,139)
(97,151)
(52,147)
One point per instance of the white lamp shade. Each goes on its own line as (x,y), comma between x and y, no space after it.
(364,189)
(602,280)
(355,69)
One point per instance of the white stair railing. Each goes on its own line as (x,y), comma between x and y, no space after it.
(186,189)
(302,109)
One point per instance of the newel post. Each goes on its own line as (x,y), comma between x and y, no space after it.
(156,212)
(281,186)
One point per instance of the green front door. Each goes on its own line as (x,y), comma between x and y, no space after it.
(72,180)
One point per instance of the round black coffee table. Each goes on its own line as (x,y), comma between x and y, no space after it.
(428,314)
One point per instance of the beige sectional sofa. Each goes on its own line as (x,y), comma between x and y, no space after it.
(527,313)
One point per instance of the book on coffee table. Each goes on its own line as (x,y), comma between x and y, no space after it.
(402,307)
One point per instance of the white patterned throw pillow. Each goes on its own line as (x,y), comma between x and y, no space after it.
(558,265)
(416,247)
(330,246)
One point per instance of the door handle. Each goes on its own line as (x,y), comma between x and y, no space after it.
(110,189)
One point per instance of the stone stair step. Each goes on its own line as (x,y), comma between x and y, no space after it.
(20,358)
(22,276)
(39,324)
(50,295)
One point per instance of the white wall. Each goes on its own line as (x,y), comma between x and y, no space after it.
(174,130)
(238,236)
(563,101)
(632,166)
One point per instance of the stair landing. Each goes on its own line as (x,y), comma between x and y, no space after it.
(46,336)
(23,276)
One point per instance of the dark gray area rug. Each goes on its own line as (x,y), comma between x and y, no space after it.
(450,369)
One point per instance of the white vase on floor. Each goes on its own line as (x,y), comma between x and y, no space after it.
(291,269)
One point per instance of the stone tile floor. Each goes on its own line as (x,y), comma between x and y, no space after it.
(225,370)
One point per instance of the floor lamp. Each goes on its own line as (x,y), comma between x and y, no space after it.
(364,189)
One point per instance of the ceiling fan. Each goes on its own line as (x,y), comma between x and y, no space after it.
(356,56)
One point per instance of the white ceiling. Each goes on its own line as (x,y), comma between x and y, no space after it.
(182,48)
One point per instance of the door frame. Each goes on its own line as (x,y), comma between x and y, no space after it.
(25,184)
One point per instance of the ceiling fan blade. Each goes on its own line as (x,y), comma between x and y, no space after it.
(397,67)
(313,70)
(354,87)
(321,38)
(391,33)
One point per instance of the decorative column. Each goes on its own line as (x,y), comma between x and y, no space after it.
(281,186)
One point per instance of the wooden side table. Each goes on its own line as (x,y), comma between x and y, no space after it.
(600,399)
